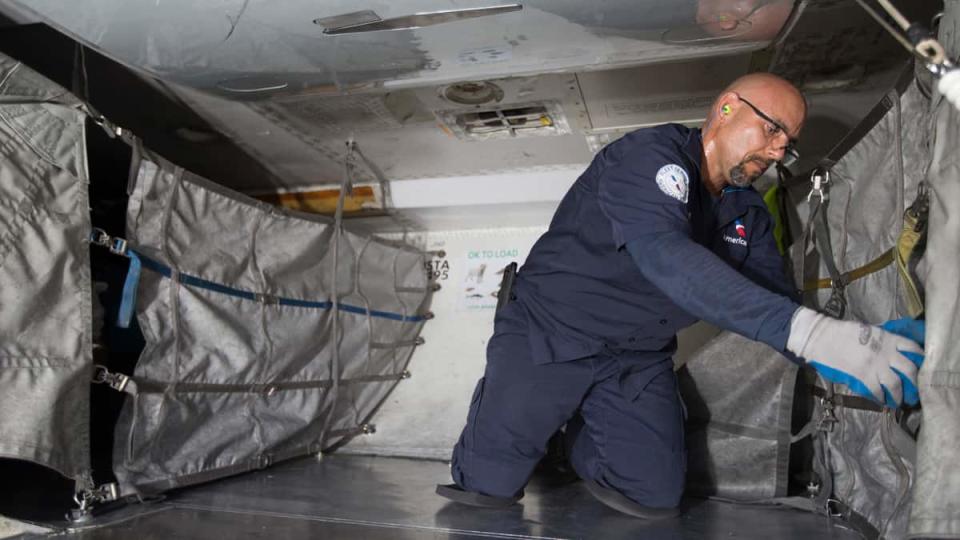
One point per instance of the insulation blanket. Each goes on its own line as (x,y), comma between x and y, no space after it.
(268,334)
(45,310)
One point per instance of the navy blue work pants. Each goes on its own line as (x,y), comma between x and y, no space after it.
(626,420)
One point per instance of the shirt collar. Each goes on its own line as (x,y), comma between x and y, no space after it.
(693,148)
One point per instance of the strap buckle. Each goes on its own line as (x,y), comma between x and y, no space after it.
(118,246)
(266,299)
(820,178)
(836,305)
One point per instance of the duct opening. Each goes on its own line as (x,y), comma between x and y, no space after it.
(506,122)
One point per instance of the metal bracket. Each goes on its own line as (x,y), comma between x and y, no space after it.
(88,498)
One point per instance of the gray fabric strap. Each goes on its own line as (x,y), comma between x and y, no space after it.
(138,385)
(733,429)
(821,449)
(817,222)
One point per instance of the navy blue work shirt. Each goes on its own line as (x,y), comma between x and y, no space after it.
(639,249)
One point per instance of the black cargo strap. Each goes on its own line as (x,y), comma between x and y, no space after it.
(863,127)
(848,401)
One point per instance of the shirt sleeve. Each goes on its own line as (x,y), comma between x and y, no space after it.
(645,192)
(764,265)
(705,286)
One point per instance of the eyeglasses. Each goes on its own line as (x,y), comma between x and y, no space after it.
(773,130)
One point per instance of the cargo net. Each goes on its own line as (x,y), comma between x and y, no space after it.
(269,334)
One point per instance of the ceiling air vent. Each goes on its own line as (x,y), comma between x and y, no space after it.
(534,119)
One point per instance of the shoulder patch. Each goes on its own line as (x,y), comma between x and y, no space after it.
(673,181)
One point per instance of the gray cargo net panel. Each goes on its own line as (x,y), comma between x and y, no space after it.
(236,302)
(45,327)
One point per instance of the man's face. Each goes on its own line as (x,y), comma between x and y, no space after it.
(753,138)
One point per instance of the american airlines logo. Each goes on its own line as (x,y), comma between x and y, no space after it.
(734,240)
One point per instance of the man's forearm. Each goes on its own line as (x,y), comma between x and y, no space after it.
(705,286)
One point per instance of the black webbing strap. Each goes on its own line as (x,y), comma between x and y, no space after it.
(856,520)
(862,128)
(847,401)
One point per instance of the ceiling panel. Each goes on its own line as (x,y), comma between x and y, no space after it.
(250,49)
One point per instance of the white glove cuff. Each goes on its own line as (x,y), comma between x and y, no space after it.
(801,327)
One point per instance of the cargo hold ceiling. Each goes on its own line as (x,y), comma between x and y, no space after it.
(469,109)
(255,48)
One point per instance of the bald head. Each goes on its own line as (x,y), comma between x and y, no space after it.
(750,126)
(766,86)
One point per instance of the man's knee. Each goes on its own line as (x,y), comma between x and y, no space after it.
(647,474)
(480,470)
(657,483)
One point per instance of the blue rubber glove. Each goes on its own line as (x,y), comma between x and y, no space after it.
(916,331)
(872,362)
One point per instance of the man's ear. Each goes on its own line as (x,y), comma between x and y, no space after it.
(724,106)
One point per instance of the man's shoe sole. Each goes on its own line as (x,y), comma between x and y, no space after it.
(616,500)
(457,494)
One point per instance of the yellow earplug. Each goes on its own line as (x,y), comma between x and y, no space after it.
(725,109)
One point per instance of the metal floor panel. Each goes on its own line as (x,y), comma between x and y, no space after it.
(376,497)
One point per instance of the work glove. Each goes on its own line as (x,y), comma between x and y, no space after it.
(876,363)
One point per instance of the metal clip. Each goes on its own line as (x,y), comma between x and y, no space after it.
(87,498)
(117,381)
(99,237)
(368,429)
(829,419)
(820,179)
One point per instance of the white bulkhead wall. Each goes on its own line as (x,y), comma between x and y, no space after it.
(424,415)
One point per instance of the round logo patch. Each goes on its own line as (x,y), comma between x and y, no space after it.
(673,181)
